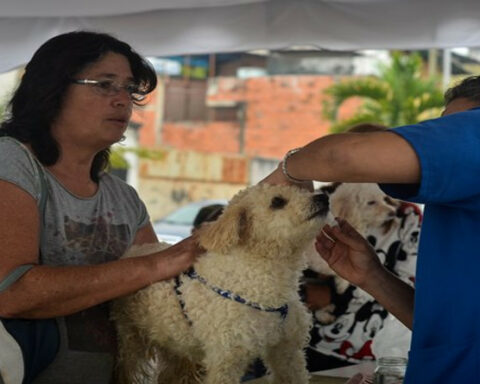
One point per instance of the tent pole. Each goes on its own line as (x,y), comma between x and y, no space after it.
(447,68)
(432,62)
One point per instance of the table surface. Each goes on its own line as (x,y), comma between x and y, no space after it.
(316,379)
(334,376)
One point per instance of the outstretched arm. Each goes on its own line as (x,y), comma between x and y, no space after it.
(381,157)
(352,258)
(47,291)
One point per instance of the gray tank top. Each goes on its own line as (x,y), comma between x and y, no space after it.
(78,231)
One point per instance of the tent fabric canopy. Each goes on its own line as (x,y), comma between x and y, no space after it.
(175,27)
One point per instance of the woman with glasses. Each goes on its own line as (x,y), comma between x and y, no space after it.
(65,221)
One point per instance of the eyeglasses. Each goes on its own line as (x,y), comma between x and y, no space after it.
(109,87)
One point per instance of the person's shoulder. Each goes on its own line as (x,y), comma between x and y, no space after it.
(19,166)
(112,180)
(441,132)
(124,196)
(11,144)
(454,121)
(13,151)
(469,112)
(445,124)
(116,184)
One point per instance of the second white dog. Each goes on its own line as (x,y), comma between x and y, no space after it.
(366,207)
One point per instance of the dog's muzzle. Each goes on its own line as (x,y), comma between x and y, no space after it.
(320,203)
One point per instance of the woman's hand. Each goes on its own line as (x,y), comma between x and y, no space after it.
(348,253)
(179,257)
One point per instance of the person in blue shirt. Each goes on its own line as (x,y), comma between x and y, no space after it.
(436,163)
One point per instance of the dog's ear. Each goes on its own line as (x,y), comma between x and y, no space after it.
(344,209)
(341,204)
(329,189)
(232,228)
(348,207)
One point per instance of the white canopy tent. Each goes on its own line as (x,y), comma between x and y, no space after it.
(170,27)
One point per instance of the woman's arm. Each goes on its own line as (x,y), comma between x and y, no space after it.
(47,291)
(381,157)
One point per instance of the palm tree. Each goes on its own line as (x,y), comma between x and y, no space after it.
(117,155)
(398,96)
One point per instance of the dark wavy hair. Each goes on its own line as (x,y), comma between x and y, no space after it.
(468,88)
(38,99)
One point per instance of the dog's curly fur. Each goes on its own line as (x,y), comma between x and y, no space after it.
(255,250)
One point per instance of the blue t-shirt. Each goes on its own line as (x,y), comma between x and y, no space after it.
(446,328)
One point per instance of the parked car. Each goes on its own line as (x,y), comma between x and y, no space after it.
(178,224)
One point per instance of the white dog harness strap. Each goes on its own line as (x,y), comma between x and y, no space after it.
(283,310)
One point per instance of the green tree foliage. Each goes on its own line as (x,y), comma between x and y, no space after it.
(398,96)
(117,158)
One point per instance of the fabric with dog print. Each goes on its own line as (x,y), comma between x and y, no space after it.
(446,331)
(79,231)
(358,317)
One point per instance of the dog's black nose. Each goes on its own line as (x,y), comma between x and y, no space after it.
(321,200)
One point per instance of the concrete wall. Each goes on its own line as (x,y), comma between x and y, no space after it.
(276,113)
(215,159)
(184,176)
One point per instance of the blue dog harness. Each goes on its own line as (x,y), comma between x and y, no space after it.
(192,274)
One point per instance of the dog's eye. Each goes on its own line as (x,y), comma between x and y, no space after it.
(372,202)
(278,202)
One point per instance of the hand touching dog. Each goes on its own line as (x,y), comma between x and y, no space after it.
(348,254)
(180,256)
(352,257)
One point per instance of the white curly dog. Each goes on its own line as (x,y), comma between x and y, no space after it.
(239,302)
